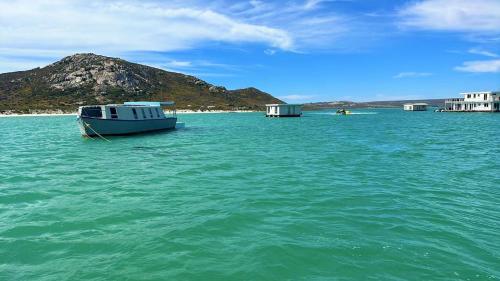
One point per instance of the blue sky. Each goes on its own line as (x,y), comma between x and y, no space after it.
(298,50)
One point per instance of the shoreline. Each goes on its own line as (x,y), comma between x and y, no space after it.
(180,111)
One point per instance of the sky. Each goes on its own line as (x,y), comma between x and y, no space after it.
(297,50)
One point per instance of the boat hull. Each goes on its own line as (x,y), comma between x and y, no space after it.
(93,126)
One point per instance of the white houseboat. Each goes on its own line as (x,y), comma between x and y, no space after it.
(474,102)
(415,106)
(126,118)
(283,110)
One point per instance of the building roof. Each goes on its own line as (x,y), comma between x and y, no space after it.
(486,92)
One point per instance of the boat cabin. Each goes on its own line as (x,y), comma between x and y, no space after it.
(128,111)
(415,106)
(283,110)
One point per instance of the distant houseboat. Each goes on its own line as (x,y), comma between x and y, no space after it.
(474,102)
(127,118)
(415,106)
(283,110)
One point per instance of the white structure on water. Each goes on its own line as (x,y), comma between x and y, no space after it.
(127,118)
(283,110)
(475,101)
(415,106)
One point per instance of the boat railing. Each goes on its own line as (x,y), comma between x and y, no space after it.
(170,113)
(454,100)
(459,100)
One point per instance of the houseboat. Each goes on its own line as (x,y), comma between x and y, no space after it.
(415,106)
(283,110)
(126,118)
(474,102)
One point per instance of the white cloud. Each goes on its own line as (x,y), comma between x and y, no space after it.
(453,15)
(10,65)
(112,25)
(194,67)
(310,26)
(270,52)
(395,97)
(482,66)
(411,74)
(311,4)
(482,53)
(117,27)
(175,63)
(295,98)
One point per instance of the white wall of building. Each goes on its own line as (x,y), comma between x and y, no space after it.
(475,101)
(283,109)
(415,107)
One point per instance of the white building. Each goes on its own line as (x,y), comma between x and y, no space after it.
(475,101)
(415,106)
(283,110)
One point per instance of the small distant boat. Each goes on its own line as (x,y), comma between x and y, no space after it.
(126,118)
(343,112)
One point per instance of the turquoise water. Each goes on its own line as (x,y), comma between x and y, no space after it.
(383,195)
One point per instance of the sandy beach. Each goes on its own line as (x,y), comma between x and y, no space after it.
(180,111)
(36,115)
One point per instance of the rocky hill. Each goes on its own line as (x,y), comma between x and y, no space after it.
(84,79)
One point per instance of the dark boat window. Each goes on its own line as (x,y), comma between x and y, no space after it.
(135,113)
(150,113)
(113,112)
(143,113)
(92,112)
(157,112)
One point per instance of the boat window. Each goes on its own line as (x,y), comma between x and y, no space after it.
(157,112)
(135,113)
(114,114)
(92,111)
(143,113)
(150,113)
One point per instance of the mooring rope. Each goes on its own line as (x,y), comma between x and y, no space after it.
(99,135)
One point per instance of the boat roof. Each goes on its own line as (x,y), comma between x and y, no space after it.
(149,103)
(417,103)
(135,103)
(280,104)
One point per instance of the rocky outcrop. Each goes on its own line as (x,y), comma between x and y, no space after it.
(89,79)
(97,71)
(217,89)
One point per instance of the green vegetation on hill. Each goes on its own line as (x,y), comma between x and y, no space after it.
(370,104)
(85,79)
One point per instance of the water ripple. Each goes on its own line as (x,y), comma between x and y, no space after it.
(383,194)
